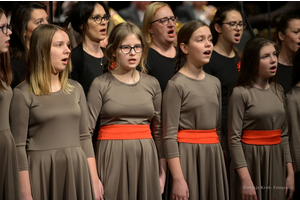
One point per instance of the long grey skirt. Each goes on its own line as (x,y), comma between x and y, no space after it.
(267,168)
(128,169)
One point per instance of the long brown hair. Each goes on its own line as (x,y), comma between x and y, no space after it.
(5,71)
(39,61)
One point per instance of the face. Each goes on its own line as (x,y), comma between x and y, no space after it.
(60,51)
(267,62)
(291,40)
(199,47)
(4,38)
(232,35)
(164,34)
(96,32)
(37,17)
(129,61)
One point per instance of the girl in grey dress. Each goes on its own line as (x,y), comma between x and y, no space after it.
(261,167)
(192,121)
(9,176)
(293,114)
(49,123)
(130,156)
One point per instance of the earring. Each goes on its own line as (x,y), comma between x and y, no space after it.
(151,32)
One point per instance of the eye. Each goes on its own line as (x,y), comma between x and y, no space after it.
(126,47)
(96,18)
(163,20)
(39,22)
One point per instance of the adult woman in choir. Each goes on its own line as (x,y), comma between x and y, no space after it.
(159,32)
(23,21)
(261,165)
(293,114)
(192,121)
(9,176)
(227,29)
(48,117)
(90,20)
(129,150)
(288,36)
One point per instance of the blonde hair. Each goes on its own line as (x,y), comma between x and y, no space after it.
(117,35)
(39,62)
(148,18)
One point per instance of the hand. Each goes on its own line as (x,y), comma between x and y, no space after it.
(180,190)
(162,181)
(290,186)
(248,190)
(98,190)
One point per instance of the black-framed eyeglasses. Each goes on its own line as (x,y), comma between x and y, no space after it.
(5,28)
(126,49)
(98,19)
(164,21)
(234,25)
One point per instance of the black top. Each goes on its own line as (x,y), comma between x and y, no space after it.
(161,67)
(227,71)
(284,75)
(18,68)
(85,67)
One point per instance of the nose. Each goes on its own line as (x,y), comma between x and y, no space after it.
(67,50)
(273,58)
(9,32)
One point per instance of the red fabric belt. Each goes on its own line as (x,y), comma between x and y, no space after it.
(124,132)
(262,137)
(198,136)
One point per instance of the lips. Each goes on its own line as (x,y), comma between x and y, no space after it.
(171,33)
(132,61)
(273,69)
(207,53)
(65,61)
(103,31)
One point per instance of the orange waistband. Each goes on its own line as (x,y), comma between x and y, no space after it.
(124,132)
(262,137)
(198,136)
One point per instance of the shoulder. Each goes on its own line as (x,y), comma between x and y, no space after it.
(150,80)
(76,51)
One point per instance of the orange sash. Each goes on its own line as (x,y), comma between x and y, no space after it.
(262,137)
(198,136)
(124,132)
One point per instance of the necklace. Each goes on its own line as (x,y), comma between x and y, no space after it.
(101,61)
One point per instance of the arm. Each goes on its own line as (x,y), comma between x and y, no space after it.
(19,119)
(290,183)
(171,115)
(156,128)
(86,143)
(219,119)
(236,109)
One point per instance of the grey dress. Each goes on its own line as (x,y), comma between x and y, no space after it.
(190,104)
(53,142)
(256,109)
(128,169)
(9,172)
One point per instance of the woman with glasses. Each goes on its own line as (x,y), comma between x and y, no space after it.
(288,36)
(261,165)
(192,121)
(227,29)
(9,172)
(23,21)
(129,150)
(48,117)
(159,32)
(90,20)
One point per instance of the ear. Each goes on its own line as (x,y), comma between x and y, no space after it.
(280,36)
(218,28)
(150,30)
(113,53)
(184,48)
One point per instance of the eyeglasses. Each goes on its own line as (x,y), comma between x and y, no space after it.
(165,21)
(234,25)
(98,19)
(126,49)
(5,28)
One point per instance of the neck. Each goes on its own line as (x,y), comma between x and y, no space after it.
(126,76)
(261,84)
(285,57)
(192,71)
(92,48)
(164,49)
(55,83)
(224,48)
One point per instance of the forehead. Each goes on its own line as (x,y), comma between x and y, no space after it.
(233,15)
(60,36)
(38,13)
(131,39)
(202,31)
(294,23)
(3,19)
(163,12)
(268,48)
(98,9)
